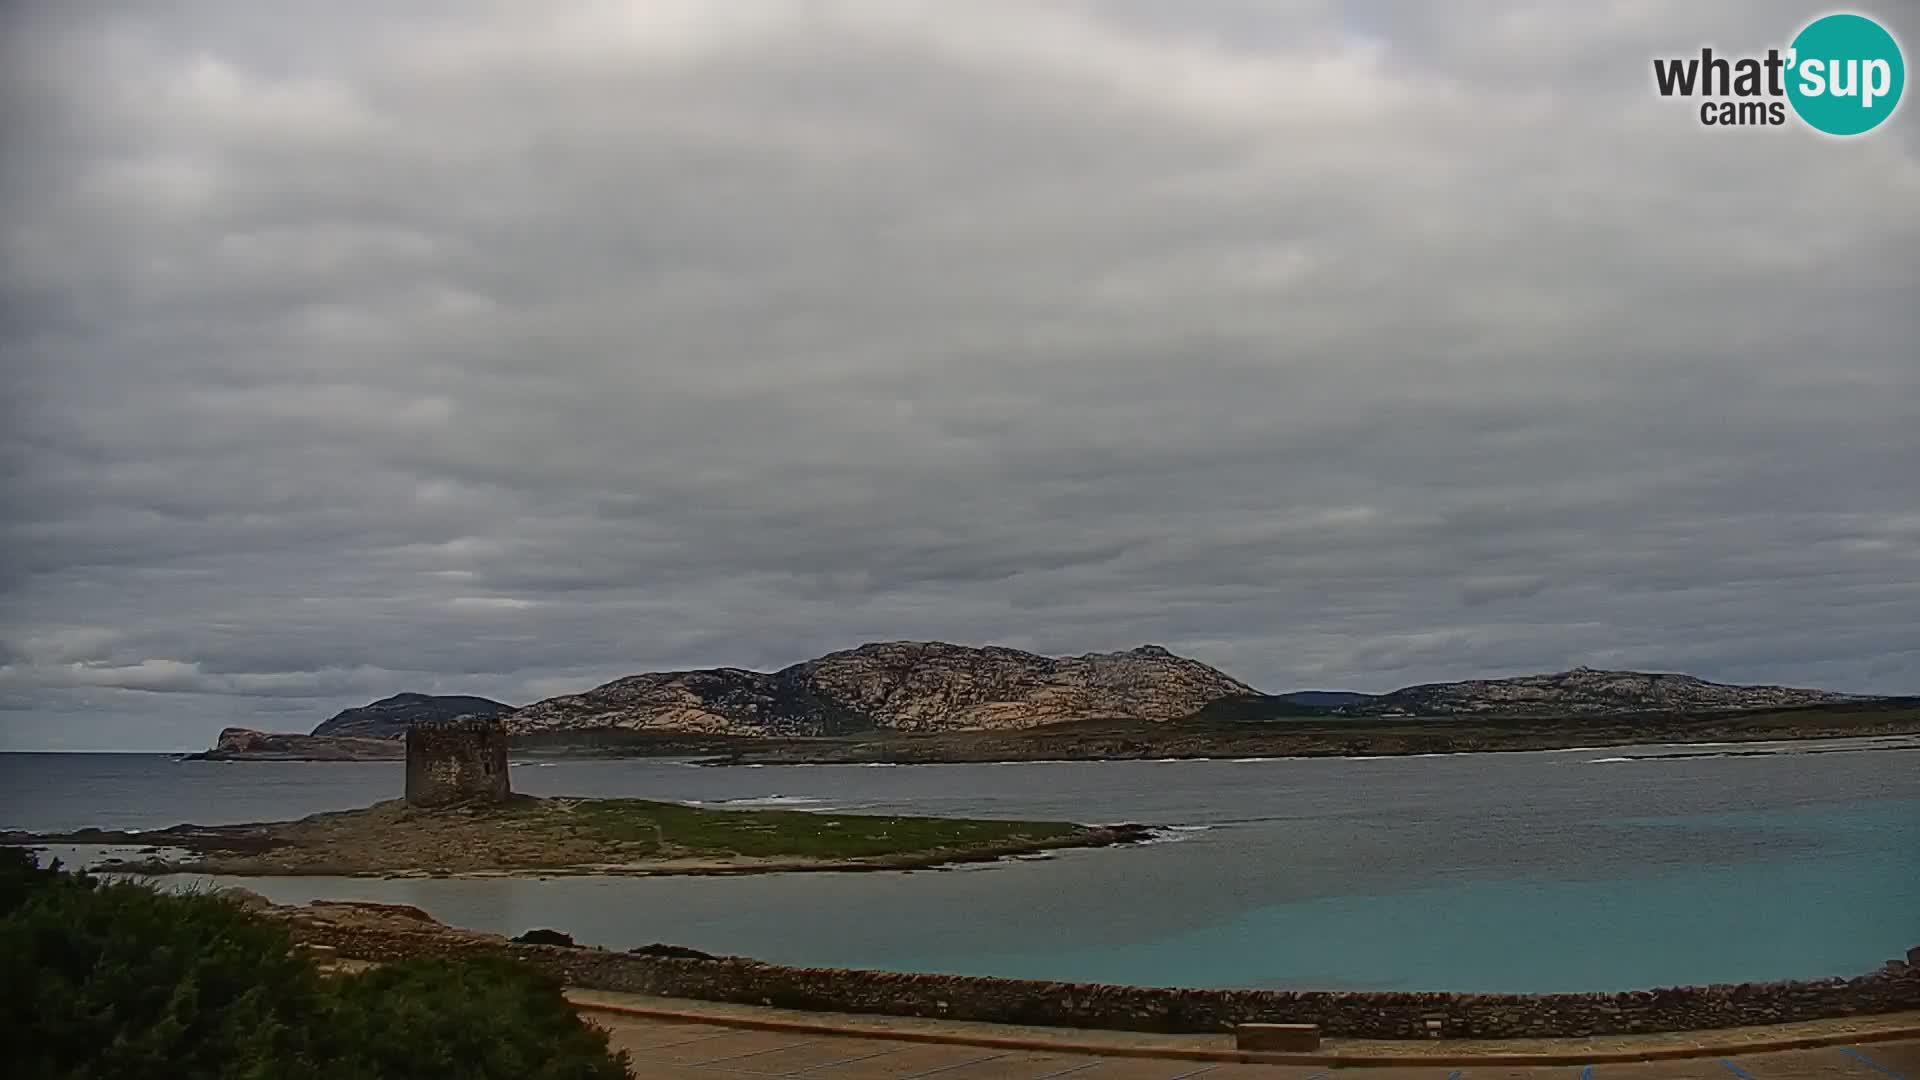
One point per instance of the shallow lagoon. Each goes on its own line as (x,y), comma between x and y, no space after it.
(1566,870)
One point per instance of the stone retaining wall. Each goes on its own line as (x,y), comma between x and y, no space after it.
(1020,1001)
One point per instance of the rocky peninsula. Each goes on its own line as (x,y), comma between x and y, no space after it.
(460,816)
(547,837)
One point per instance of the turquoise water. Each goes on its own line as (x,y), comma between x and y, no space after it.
(1512,872)
(1725,924)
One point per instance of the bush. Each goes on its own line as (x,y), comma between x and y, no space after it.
(21,876)
(491,1017)
(111,980)
(107,980)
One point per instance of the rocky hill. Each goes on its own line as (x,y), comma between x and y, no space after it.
(389,718)
(900,686)
(1587,691)
(245,744)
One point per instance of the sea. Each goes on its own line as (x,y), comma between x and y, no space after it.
(1585,869)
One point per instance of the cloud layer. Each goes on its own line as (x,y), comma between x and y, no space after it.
(506,348)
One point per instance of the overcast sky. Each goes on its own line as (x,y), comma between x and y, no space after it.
(506,348)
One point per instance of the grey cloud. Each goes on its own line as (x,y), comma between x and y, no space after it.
(1339,344)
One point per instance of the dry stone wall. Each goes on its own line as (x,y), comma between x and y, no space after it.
(1022,1001)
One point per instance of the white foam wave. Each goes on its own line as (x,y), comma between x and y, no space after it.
(1609,760)
(1174,834)
(772,800)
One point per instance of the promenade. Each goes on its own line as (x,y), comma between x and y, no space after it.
(673,1039)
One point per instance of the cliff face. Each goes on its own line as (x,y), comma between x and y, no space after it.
(389,718)
(1587,691)
(901,685)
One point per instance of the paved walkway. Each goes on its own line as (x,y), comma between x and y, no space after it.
(675,1039)
(664,1050)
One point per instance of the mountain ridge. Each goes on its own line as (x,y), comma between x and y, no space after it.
(931,687)
(896,685)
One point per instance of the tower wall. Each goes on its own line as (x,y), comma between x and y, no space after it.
(457,762)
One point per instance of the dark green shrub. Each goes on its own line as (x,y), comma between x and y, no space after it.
(109,980)
(484,1018)
(21,876)
(119,980)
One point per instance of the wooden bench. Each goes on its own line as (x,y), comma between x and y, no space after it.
(1284,1038)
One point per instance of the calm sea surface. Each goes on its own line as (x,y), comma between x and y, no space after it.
(1570,870)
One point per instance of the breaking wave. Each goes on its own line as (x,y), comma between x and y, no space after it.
(767,800)
(1174,834)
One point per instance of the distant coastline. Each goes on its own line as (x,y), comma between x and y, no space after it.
(1371,737)
(1139,740)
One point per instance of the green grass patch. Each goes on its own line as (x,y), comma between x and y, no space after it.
(670,828)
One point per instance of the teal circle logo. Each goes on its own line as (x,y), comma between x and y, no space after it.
(1846,74)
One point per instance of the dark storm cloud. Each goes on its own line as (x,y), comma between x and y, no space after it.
(503,349)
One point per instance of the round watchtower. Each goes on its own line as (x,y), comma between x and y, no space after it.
(456,762)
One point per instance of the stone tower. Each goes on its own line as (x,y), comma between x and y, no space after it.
(457,762)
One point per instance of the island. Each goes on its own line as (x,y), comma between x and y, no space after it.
(931,701)
(460,816)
